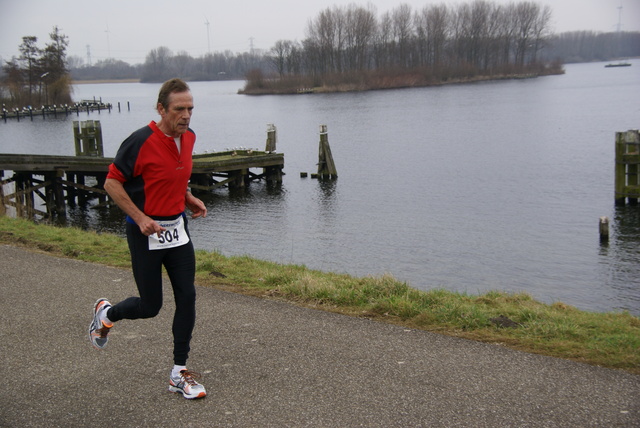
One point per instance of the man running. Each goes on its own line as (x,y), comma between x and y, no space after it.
(148,180)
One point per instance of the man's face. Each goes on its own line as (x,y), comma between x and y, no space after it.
(177,115)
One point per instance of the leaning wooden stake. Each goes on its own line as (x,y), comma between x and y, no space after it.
(326,166)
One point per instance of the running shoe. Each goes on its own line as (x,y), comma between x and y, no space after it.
(98,330)
(186,384)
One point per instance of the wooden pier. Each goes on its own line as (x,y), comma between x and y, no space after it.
(627,185)
(59,181)
(83,106)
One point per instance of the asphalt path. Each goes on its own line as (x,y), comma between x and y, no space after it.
(268,363)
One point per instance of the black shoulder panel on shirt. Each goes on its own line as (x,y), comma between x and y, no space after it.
(127,154)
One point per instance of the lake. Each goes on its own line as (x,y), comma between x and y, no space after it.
(472,187)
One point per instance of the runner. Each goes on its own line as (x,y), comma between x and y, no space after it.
(148,180)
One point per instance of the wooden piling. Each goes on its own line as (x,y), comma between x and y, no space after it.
(326,165)
(271,138)
(3,209)
(604,229)
(627,161)
(88,138)
(58,191)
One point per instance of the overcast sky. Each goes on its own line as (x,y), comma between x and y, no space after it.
(129,29)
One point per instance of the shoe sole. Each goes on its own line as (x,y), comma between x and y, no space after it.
(185,395)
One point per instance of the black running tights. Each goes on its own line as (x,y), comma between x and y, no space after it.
(147,271)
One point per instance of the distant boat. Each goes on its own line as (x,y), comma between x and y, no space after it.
(620,64)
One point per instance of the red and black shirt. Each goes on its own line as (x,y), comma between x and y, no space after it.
(154,174)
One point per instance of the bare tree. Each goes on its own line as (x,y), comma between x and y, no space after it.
(526,14)
(182,65)
(13,81)
(360,30)
(383,43)
(156,66)
(479,33)
(438,32)
(280,52)
(541,31)
(402,30)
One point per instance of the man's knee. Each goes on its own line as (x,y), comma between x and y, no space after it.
(150,310)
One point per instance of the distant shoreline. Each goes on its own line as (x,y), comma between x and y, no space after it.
(376,81)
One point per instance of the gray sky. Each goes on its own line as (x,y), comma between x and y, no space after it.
(129,29)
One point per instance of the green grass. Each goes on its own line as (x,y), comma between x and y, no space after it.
(609,339)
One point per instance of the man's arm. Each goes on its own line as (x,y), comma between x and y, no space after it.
(116,191)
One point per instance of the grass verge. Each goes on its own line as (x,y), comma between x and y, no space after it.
(610,339)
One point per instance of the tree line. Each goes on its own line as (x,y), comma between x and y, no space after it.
(343,45)
(435,43)
(480,34)
(587,46)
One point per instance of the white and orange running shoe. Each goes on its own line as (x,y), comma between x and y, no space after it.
(186,384)
(99,330)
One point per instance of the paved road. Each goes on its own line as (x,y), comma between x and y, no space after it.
(269,364)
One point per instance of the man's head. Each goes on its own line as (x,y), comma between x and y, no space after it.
(175,106)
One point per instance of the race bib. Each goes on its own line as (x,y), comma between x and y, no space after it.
(173,236)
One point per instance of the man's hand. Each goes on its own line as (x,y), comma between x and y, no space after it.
(149,226)
(195,205)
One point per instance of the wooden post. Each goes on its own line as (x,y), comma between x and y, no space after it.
(237,179)
(101,177)
(88,138)
(29,198)
(3,209)
(271,138)
(72,193)
(273,174)
(83,195)
(633,148)
(58,192)
(19,195)
(627,160)
(621,173)
(326,166)
(50,202)
(604,229)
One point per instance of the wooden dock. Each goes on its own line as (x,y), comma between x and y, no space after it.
(59,181)
(29,113)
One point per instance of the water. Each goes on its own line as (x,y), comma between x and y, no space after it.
(487,186)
